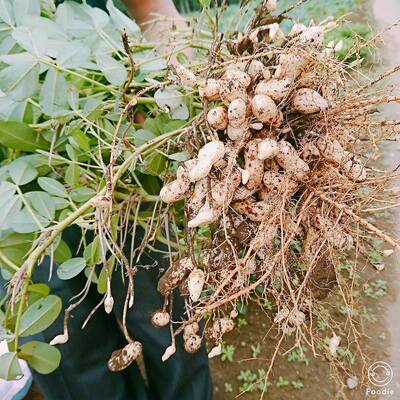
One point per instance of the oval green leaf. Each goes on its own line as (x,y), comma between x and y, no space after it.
(21,172)
(52,187)
(19,136)
(43,203)
(71,268)
(9,367)
(40,356)
(40,315)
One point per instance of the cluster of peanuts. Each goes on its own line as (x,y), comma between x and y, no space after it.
(246,165)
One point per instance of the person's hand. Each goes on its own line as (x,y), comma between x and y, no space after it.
(159,30)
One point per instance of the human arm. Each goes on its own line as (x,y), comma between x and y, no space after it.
(143,11)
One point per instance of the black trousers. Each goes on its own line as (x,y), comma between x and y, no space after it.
(83,373)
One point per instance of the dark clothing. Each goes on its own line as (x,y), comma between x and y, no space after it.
(93,3)
(83,373)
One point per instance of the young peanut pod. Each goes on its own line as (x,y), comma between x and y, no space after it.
(291,66)
(277,89)
(288,159)
(235,74)
(253,164)
(264,109)
(308,101)
(245,176)
(215,351)
(237,113)
(122,358)
(267,149)
(176,189)
(169,351)
(209,89)
(231,90)
(208,155)
(254,210)
(160,318)
(174,275)
(314,35)
(196,281)
(217,117)
(186,77)
(206,216)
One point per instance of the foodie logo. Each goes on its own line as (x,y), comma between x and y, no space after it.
(380,373)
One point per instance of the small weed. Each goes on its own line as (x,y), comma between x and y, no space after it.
(228,350)
(375,289)
(255,350)
(297,384)
(251,381)
(282,382)
(228,387)
(242,322)
(298,355)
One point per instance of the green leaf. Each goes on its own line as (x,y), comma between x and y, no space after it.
(74,55)
(6,12)
(9,367)
(120,20)
(60,203)
(15,246)
(19,136)
(21,172)
(82,194)
(40,356)
(180,156)
(113,71)
(24,9)
(53,97)
(43,203)
(34,41)
(92,252)
(102,282)
(72,174)
(8,209)
(154,164)
(39,288)
(52,187)
(62,253)
(168,97)
(142,136)
(40,315)
(20,79)
(23,222)
(71,268)
(79,140)
(37,291)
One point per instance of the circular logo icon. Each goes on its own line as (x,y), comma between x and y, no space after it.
(380,373)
